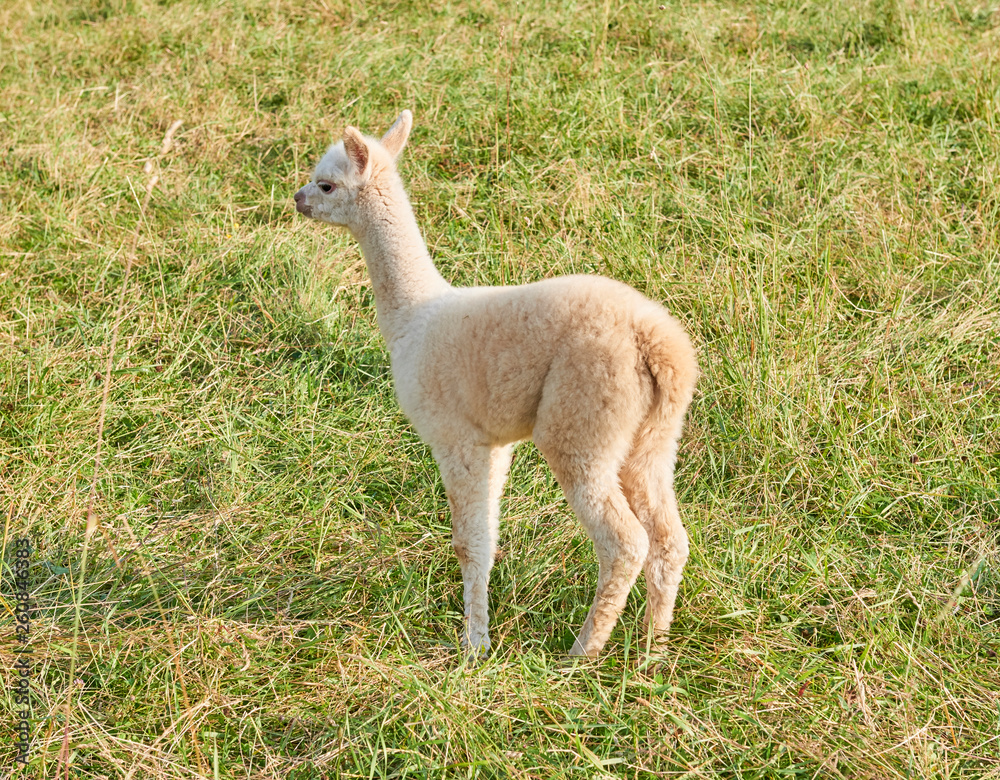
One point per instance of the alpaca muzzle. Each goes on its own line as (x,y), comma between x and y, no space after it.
(300,203)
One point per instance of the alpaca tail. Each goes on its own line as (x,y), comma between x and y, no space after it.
(673,364)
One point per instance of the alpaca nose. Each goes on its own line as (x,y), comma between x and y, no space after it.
(300,203)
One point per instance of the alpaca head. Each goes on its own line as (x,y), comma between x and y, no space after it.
(348,169)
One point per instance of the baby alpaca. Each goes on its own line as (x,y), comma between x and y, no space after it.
(597,375)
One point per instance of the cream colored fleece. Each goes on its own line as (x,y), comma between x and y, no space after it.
(598,376)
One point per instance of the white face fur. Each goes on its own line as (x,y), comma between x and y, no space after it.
(345,169)
(333,189)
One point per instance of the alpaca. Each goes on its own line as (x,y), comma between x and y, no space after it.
(597,375)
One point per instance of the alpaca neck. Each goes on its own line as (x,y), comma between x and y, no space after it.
(402,273)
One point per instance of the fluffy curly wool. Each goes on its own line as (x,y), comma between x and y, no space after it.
(598,376)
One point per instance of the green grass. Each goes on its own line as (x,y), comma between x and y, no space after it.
(270,592)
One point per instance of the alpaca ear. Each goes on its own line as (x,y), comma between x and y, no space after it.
(357,151)
(395,138)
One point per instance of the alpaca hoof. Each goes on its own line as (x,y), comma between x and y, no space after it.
(578,651)
(476,648)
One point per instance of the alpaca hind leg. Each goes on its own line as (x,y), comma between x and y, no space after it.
(474,477)
(621,545)
(647,480)
(585,429)
(619,539)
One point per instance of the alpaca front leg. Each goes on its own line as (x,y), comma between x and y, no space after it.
(473,478)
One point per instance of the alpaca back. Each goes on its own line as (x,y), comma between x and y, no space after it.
(485,353)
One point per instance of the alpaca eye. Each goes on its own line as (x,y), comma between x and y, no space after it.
(325,186)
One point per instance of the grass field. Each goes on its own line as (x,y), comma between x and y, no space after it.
(268,589)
